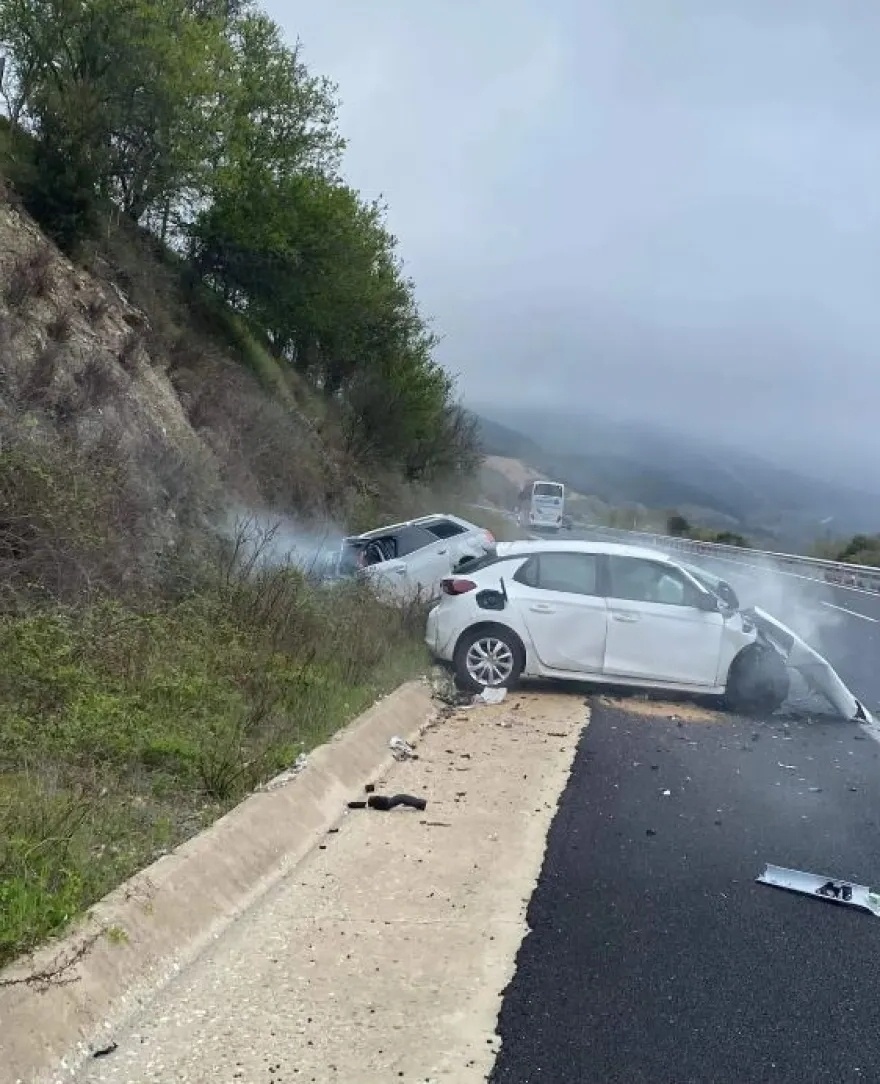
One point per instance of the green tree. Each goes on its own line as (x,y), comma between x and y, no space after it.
(678,526)
(130,88)
(732,538)
(276,115)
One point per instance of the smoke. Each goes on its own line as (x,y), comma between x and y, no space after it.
(265,540)
(802,604)
(806,606)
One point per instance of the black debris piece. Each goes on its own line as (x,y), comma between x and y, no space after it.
(385,802)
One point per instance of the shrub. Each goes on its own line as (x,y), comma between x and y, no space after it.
(148,720)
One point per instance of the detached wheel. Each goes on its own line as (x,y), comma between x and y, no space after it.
(758,681)
(488,658)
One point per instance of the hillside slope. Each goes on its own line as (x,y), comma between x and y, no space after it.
(205,374)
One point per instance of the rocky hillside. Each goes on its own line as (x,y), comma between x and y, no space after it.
(176,377)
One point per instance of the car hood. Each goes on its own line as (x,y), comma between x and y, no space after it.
(817,671)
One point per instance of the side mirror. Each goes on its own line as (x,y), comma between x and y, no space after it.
(706,602)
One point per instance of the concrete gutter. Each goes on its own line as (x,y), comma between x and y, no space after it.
(150,927)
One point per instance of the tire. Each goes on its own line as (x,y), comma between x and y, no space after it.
(496,641)
(758,681)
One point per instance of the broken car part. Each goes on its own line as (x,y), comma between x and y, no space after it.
(819,674)
(383,802)
(824,888)
(401,749)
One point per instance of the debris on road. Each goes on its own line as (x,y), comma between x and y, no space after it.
(657,708)
(103,1051)
(401,749)
(825,888)
(489,696)
(281,780)
(384,802)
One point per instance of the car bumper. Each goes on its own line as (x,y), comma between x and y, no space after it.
(440,635)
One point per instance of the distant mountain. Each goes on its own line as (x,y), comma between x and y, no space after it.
(624,463)
(498,439)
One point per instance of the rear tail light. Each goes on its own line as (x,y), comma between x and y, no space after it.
(457,586)
(489,538)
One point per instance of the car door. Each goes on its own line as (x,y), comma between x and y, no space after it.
(561,606)
(460,542)
(424,558)
(655,630)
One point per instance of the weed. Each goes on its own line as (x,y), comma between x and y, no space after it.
(96,381)
(60,327)
(131,346)
(97,308)
(30,279)
(150,720)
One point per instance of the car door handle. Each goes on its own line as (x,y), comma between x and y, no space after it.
(628,619)
(542,608)
(441,551)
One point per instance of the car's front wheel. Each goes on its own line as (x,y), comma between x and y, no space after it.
(758,681)
(489,657)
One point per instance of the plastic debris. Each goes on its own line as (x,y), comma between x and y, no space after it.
(824,888)
(491,696)
(401,750)
(299,764)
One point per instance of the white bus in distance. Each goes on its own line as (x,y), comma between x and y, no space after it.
(541,506)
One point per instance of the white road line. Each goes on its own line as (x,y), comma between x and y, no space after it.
(853,613)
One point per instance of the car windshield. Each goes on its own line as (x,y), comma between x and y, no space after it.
(720,588)
(351,558)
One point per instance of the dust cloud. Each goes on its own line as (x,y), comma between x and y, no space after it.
(800,603)
(264,541)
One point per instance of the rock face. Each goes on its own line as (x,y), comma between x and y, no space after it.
(113,365)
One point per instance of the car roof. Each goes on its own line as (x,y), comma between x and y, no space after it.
(524,547)
(419,521)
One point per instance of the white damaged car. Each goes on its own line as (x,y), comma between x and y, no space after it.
(619,615)
(410,560)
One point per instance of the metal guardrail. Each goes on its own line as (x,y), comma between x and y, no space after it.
(855,577)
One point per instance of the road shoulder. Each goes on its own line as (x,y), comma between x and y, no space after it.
(384,953)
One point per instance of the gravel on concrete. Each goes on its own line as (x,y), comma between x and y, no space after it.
(382,957)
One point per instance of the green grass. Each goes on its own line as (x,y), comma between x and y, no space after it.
(124,731)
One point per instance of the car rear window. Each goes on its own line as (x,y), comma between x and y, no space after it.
(444,528)
(548,489)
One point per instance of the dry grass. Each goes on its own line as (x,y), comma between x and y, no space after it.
(30,279)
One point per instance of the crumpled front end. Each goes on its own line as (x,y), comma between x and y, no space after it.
(819,674)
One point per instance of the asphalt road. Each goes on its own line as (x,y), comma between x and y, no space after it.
(654,955)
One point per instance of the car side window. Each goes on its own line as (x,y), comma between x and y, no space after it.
(572,573)
(410,539)
(444,528)
(637,580)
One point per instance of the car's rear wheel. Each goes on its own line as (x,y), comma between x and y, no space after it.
(758,681)
(489,657)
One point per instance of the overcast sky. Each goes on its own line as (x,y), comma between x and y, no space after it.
(663,210)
